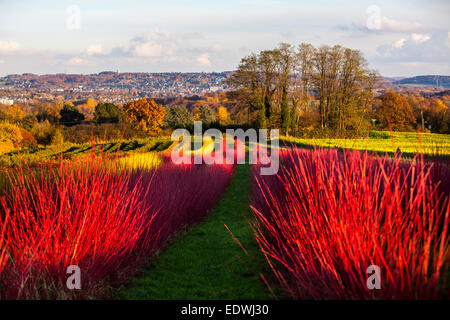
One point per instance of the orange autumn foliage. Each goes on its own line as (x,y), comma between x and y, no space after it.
(145,114)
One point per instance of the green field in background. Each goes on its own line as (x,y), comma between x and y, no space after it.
(382,141)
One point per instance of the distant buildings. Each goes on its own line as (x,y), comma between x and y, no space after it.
(113,86)
(6,101)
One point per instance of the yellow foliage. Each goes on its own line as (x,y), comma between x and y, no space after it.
(130,162)
(91,103)
(6,147)
(222,115)
(10,134)
(15,113)
(139,161)
(439,106)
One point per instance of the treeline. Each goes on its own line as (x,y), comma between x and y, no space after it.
(279,87)
(326,91)
(53,123)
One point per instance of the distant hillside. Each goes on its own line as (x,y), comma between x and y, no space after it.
(434,81)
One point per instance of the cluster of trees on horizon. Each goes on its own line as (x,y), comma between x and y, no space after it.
(322,91)
(53,123)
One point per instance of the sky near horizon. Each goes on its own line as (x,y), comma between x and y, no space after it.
(398,38)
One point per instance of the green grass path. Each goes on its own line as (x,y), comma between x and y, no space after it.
(205,262)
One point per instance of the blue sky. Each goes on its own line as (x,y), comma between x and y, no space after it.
(399,38)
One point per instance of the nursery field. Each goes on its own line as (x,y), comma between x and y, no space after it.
(142,227)
(41,154)
(431,144)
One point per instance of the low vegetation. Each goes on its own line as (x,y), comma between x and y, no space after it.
(327,216)
(107,222)
(408,143)
(37,155)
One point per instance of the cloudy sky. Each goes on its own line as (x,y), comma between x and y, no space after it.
(399,38)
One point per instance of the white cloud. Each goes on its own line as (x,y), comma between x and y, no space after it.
(158,46)
(217,47)
(388,24)
(8,46)
(377,22)
(420,37)
(94,49)
(153,44)
(76,61)
(399,43)
(416,38)
(203,60)
(148,49)
(418,52)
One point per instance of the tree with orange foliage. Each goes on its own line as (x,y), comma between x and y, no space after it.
(205,114)
(88,108)
(395,112)
(145,114)
(222,115)
(14,114)
(438,116)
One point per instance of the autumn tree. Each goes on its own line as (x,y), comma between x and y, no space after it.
(303,69)
(395,112)
(205,114)
(87,107)
(14,114)
(284,62)
(343,84)
(177,116)
(222,115)
(438,116)
(28,122)
(70,115)
(2,115)
(261,120)
(249,87)
(10,133)
(91,103)
(48,111)
(283,81)
(431,113)
(106,113)
(145,114)
(46,133)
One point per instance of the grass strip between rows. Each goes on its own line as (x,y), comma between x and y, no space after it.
(205,262)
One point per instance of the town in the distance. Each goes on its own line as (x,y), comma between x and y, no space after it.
(120,87)
(108,86)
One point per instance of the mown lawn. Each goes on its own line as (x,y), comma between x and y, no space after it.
(205,262)
(431,144)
